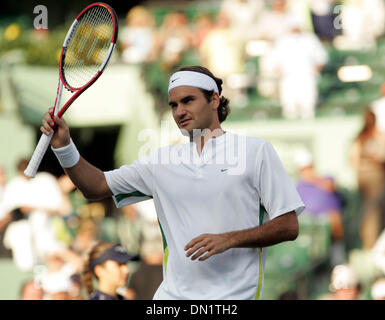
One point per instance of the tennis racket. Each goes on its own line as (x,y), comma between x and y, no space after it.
(86,50)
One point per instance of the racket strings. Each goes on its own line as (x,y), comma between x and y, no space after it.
(88,46)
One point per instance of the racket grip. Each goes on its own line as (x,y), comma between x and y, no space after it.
(38,155)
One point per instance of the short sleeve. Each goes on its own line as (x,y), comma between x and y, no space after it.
(277,192)
(131,183)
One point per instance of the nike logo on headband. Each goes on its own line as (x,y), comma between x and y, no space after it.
(193,79)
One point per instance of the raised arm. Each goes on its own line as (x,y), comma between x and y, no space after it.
(86,177)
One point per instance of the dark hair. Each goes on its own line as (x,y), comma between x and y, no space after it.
(223,108)
(93,252)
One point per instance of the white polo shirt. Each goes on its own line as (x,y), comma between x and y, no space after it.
(221,190)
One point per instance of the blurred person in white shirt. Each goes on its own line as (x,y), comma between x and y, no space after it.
(243,15)
(138,37)
(344,283)
(272,24)
(37,200)
(298,57)
(55,278)
(361,22)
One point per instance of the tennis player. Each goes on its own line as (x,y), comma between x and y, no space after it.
(221,199)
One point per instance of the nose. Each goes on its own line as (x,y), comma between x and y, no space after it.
(125,270)
(179,112)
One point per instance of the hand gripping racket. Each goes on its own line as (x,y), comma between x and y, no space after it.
(86,50)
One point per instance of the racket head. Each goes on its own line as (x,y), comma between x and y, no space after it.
(88,46)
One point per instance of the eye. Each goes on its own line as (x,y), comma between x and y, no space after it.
(187,100)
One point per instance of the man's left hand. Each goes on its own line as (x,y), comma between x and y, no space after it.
(206,245)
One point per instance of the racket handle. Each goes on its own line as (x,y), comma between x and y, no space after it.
(38,155)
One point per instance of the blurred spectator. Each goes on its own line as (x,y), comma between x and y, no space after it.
(30,290)
(243,16)
(378,107)
(138,37)
(299,57)
(38,200)
(5,218)
(3,180)
(367,156)
(85,236)
(56,279)
(289,295)
(223,53)
(146,280)
(319,193)
(378,251)
(107,262)
(18,233)
(130,230)
(272,24)
(17,238)
(75,290)
(175,38)
(321,199)
(344,284)
(66,187)
(377,291)
(323,18)
(362,22)
(203,24)
(12,190)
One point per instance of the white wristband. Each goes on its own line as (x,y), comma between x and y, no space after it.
(68,156)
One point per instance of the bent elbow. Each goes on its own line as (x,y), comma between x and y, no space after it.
(92,196)
(294,234)
(293,230)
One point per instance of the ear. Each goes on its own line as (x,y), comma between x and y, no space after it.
(98,270)
(215,101)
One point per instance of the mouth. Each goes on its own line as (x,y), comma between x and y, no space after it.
(184,122)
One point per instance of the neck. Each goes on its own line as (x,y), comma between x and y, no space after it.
(107,288)
(204,135)
(201,136)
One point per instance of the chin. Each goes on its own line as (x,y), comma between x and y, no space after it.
(186,132)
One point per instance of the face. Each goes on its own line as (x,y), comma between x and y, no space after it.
(191,110)
(113,272)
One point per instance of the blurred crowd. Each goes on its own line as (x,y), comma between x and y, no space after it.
(286,40)
(49,237)
(47,227)
(360,272)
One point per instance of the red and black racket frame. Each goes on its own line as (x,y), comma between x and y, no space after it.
(79,91)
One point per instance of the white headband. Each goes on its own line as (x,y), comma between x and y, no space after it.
(192,79)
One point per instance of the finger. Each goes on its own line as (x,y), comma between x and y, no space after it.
(46,126)
(59,121)
(45,131)
(196,247)
(48,119)
(200,252)
(194,241)
(206,256)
